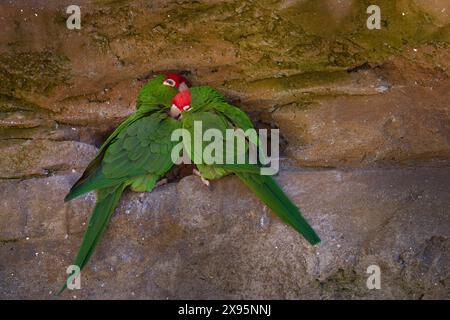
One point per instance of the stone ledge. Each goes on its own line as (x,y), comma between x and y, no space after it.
(186,241)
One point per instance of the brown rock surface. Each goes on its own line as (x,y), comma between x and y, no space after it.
(402,126)
(371,106)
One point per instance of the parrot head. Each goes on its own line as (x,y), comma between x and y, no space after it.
(163,88)
(180,103)
(175,80)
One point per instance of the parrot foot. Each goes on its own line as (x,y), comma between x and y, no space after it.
(161,182)
(197,173)
(205,181)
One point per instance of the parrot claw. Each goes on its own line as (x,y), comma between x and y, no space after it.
(161,182)
(197,173)
(205,181)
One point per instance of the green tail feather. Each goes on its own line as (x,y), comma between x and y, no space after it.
(107,200)
(271,194)
(95,181)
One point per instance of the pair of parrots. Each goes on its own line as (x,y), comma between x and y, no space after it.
(138,154)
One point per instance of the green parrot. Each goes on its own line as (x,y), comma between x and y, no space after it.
(207,106)
(137,154)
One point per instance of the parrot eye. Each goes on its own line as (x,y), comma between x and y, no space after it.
(169,82)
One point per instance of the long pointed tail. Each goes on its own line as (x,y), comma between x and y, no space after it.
(107,200)
(271,194)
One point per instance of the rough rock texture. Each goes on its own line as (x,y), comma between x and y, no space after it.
(224,244)
(366,111)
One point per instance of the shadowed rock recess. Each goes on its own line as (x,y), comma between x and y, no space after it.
(365,122)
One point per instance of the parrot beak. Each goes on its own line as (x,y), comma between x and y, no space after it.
(174,112)
(183,86)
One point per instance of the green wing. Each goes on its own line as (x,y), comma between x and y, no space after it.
(197,150)
(144,147)
(206,98)
(148,106)
(140,146)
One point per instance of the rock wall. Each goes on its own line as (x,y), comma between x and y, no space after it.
(365,122)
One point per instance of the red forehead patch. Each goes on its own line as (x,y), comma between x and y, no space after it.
(182,99)
(176,77)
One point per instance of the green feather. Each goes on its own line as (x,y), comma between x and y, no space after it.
(107,200)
